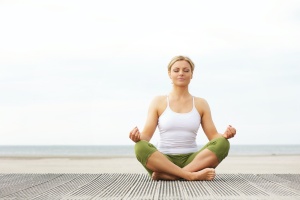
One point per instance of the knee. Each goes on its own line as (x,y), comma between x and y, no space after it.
(143,149)
(222,148)
(224,144)
(140,146)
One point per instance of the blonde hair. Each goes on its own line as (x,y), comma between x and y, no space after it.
(179,58)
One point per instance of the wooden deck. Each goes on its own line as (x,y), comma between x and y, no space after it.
(140,186)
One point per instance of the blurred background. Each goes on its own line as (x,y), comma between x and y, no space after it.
(84,72)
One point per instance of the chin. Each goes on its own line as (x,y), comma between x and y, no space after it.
(181,84)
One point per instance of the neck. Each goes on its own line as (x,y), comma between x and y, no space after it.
(180,92)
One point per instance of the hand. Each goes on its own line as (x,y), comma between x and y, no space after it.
(230,132)
(135,135)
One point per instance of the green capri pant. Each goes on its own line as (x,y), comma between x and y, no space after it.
(219,146)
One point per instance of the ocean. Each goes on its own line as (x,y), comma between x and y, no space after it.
(128,151)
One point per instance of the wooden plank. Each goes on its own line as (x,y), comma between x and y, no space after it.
(140,186)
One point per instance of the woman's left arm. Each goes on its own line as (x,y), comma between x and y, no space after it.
(208,124)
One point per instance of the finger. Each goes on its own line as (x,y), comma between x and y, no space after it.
(132,136)
(232,132)
(138,138)
(132,133)
(136,135)
(232,128)
(134,130)
(228,134)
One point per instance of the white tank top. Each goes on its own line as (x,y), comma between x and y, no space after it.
(178,131)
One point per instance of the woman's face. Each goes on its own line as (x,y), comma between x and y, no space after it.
(181,73)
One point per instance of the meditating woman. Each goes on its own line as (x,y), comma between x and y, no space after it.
(178,116)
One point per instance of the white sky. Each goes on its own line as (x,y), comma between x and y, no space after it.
(84,72)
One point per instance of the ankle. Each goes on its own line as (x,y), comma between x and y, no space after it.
(190,176)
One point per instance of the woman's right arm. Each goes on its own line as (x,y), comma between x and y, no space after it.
(150,125)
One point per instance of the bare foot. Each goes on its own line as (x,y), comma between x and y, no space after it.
(162,176)
(206,174)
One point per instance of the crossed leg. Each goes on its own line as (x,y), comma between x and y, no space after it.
(201,168)
(200,165)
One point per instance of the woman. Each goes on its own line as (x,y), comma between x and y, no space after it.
(178,117)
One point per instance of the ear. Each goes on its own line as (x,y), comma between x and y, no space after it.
(169,73)
(192,76)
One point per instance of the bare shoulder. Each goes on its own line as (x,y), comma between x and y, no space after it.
(159,103)
(159,98)
(200,101)
(201,104)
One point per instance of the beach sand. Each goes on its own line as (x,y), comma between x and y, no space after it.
(232,164)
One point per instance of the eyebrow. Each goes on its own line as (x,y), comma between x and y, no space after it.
(183,68)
